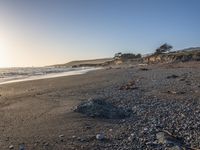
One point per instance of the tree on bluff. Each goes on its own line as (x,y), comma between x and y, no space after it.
(163,48)
(127,56)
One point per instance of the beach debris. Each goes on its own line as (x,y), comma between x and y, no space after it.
(172,76)
(99,108)
(129,86)
(11,147)
(100,136)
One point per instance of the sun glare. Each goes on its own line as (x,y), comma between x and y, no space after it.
(3,56)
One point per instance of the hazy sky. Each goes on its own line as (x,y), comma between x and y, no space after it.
(43,32)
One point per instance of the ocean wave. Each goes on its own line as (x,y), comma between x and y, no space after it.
(9,75)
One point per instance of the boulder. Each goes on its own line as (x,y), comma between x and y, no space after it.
(168,139)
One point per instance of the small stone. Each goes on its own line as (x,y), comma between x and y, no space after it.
(123,120)
(21,147)
(167,138)
(61,136)
(88,127)
(73,136)
(100,136)
(11,147)
(171,92)
(46,144)
(130,138)
(175,148)
(172,76)
(151,143)
(79,138)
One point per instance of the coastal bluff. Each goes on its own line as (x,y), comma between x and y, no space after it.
(190,54)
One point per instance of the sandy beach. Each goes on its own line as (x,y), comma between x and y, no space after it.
(39,114)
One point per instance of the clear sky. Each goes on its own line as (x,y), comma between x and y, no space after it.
(43,32)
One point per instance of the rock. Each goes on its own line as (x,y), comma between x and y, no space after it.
(175,148)
(129,86)
(181,92)
(61,136)
(171,92)
(144,69)
(130,138)
(46,144)
(172,76)
(167,138)
(100,136)
(183,79)
(110,130)
(102,109)
(21,147)
(11,147)
(78,138)
(73,137)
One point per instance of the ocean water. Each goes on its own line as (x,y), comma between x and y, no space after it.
(10,75)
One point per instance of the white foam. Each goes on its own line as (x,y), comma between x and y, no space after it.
(77,71)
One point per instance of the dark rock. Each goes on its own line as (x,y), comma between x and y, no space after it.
(100,136)
(183,79)
(172,92)
(144,69)
(102,109)
(21,147)
(172,76)
(46,144)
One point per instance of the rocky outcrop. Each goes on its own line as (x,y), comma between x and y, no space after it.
(99,108)
(179,56)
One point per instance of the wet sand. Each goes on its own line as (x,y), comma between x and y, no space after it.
(38,114)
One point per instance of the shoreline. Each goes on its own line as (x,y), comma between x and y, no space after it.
(48,76)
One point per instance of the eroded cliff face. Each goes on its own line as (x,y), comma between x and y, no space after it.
(173,57)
